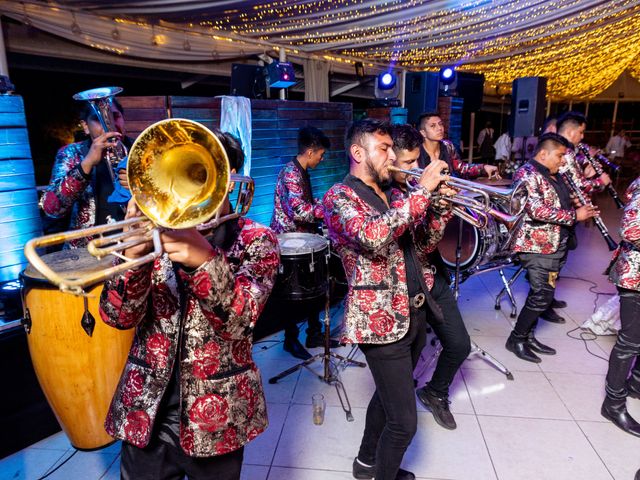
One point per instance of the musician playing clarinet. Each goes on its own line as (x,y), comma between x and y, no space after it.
(436,147)
(451,333)
(295,210)
(542,239)
(624,273)
(383,237)
(190,396)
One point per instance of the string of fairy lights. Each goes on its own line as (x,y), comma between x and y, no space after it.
(580,46)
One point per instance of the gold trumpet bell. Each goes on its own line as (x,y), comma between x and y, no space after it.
(178,173)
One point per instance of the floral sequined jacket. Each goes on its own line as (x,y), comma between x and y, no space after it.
(71,190)
(377,302)
(208,330)
(575,171)
(294,209)
(539,231)
(625,264)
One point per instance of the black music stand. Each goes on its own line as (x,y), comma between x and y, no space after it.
(329,377)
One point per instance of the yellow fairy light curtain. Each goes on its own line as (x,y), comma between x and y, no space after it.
(581,46)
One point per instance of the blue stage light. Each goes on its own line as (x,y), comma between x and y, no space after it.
(447,73)
(386,81)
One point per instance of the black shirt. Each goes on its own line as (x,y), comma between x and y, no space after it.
(424,159)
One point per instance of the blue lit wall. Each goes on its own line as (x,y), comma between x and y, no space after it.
(19,217)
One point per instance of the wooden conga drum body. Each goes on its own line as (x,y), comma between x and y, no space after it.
(78,372)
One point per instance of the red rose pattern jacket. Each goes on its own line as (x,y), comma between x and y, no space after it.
(625,264)
(221,398)
(377,302)
(70,189)
(588,185)
(293,207)
(539,232)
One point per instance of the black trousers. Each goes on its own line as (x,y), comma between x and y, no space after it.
(298,310)
(626,351)
(391,420)
(453,337)
(542,272)
(161,461)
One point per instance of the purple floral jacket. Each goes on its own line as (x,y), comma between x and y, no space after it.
(70,190)
(625,264)
(222,405)
(450,155)
(294,209)
(539,232)
(377,302)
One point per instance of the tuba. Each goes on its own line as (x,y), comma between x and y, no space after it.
(100,100)
(179,176)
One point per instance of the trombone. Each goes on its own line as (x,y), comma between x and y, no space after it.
(179,176)
(513,200)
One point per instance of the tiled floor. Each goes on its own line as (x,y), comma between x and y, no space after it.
(545,424)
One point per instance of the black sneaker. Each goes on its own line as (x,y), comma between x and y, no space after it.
(439,406)
(317,340)
(366,473)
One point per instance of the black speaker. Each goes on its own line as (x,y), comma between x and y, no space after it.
(527,106)
(248,81)
(471,88)
(421,94)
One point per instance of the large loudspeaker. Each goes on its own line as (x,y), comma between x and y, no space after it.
(527,106)
(248,81)
(471,88)
(421,94)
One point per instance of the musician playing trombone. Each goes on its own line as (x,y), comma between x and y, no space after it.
(451,333)
(542,239)
(80,182)
(435,147)
(381,235)
(190,396)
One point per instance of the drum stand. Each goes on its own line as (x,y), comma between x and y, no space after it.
(475,349)
(507,289)
(329,376)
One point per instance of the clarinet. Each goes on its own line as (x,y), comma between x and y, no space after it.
(598,168)
(583,200)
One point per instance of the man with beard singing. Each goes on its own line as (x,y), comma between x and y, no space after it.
(381,237)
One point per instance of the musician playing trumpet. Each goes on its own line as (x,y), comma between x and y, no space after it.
(542,239)
(451,333)
(190,396)
(80,181)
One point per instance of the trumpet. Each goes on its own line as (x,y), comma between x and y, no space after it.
(513,200)
(179,176)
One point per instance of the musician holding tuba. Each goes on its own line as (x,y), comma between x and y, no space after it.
(190,396)
(542,239)
(81,180)
(452,332)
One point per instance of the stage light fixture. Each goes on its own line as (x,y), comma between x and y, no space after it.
(387,80)
(280,75)
(448,81)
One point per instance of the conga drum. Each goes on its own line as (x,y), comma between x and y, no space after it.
(78,364)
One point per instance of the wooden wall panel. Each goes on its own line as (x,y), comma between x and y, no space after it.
(19,216)
(274,125)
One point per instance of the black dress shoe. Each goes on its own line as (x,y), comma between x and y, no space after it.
(295,348)
(363,472)
(439,406)
(317,340)
(616,411)
(520,347)
(536,346)
(551,316)
(558,303)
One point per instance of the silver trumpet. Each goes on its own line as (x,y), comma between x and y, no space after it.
(511,200)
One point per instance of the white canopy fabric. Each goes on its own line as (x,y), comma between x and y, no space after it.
(581,46)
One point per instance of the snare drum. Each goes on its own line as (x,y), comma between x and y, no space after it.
(302,274)
(78,368)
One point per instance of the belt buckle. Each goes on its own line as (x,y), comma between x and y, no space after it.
(418,300)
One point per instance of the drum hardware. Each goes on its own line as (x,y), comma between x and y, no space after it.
(329,376)
(507,289)
(179,176)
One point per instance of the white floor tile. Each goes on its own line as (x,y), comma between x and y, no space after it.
(573,357)
(261,450)
(494,346)
(617,449)
(581,394)
(431,453)
(535,449)
(529,395)
(281,473)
